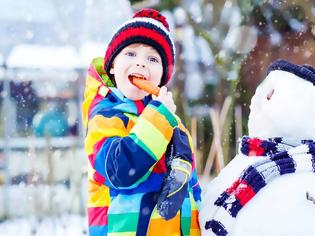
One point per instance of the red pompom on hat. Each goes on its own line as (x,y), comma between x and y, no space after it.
(151,13)
(147,26)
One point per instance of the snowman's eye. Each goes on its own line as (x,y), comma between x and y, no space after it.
(269,95)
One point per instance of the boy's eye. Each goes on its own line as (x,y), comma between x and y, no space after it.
(130,54)
(153,59)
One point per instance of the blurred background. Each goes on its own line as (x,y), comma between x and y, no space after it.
(223,51)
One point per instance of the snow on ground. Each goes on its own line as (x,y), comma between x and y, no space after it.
(64,225)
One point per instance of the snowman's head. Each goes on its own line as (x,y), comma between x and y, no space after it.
(284,103)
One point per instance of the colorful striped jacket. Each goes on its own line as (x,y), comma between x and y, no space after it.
(125,143)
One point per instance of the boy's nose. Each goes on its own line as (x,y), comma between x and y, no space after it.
(142,65)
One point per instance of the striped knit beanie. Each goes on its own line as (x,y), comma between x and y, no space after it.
(149,27)
(306,72)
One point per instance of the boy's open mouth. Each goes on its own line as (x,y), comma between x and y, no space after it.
(135,75)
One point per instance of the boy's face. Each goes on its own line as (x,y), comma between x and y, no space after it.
(138,59)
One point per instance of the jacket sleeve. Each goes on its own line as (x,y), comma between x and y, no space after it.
(194,182)
(195,186)
(123,160)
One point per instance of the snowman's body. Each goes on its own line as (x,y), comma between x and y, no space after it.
(283,106)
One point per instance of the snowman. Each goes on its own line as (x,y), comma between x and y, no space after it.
(269,187)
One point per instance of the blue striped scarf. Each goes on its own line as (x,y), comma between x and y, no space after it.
(281,158)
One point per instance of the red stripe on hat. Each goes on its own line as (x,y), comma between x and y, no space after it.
(142,32)
(146,33)
(98,216)
(244,193)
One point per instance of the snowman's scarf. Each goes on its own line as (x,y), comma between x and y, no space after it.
(280,158)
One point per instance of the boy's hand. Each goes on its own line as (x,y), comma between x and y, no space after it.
(174,189)
(166,97)
(179,170)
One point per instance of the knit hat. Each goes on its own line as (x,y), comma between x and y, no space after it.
(306,72)
(149,27)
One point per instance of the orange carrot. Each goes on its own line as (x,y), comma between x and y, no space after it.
(145,85)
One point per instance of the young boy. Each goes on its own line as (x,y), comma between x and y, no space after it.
(142,179)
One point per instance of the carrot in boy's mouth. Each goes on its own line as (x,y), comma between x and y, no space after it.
(144,84)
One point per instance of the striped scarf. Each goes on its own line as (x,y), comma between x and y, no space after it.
(280,158)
